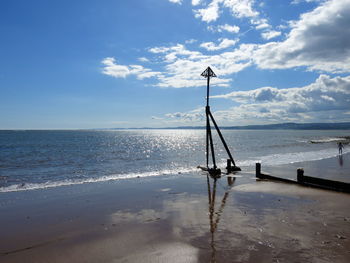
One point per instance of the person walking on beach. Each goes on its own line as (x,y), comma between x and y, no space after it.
(340,147)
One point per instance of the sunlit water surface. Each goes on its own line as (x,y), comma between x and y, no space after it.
(41,159)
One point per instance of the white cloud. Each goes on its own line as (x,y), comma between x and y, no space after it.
(209,14)
(174,52)
(260,23)
(320,40)
(262,26)
(111,68)
(194,115)
(156,118)
(196,2)
(282,27)
(183,67)
(325,97)
(158,49)
(295,2)
(225,43)
(241,8)
(226,27)
(238,8)
(270,34)
(176,1)
(143,59)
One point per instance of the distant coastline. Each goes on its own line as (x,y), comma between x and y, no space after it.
(279,126)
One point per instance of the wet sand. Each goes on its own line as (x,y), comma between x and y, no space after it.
(182,218)
(336,168)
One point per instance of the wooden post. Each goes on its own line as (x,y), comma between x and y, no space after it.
(228,167)
(307,180)
(300,175)
(326,184)
(258,170)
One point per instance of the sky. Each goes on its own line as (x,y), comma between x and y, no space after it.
(110,64)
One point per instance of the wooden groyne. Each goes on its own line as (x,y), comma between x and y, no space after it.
(306,180)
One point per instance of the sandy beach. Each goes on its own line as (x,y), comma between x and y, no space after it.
(120,122)
(182,218)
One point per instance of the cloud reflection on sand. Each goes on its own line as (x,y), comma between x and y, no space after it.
(164,252)
(249,216)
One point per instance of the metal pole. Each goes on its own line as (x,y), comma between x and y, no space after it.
(211,145)
(207,144)
(222,138)
(208,124)
(208,79)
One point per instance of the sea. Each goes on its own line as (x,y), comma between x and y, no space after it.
(38,159)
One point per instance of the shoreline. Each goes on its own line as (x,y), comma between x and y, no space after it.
(168,218)
(340,163)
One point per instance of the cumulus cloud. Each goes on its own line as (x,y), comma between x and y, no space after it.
(209,14)
(260,23)
(225,43)
(196,115)
(111,68)
(319,40)
(270,34)
(324,97)
(238,8)
(222,28)
(228,28)
(327,99)
(271,105)
(241,8)
(183,67)
(176,1)
(177,51)
(262,26)
(196,2)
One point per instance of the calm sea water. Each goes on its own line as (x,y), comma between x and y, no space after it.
(41,159)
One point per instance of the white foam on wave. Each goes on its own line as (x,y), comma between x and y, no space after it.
(68,182)
(267,160)
(295,157)
(330,139)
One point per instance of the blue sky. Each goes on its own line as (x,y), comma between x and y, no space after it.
(103,64)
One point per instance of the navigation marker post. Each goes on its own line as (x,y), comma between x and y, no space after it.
(209,73)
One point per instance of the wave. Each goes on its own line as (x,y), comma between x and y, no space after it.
(330,139)
(295,157)
(113,177)
(267,160)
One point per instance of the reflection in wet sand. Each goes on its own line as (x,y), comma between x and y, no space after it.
(214,217)
(340,159)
